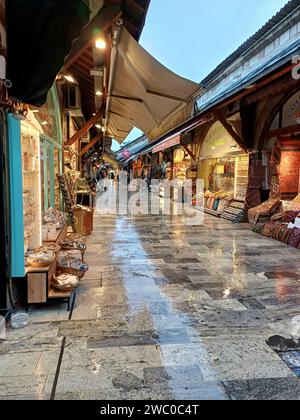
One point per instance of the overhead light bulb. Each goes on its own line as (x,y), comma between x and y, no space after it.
(100,44)
(99,93)
(69,78)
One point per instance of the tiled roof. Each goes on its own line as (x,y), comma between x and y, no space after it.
(282,14)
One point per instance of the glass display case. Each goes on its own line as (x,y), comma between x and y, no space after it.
(30,149)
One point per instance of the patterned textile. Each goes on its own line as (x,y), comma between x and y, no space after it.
(280,231)
(275,187)
(256,172)
(269,229)
(258,228)
(286,216)
(286,236)
(223,206)
(294,239)
(291,206)
(265,209)
(253,198)
(266,163)
(276,153)
(297,199)
(290,216)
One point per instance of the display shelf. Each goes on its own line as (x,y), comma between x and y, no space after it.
(39,286)
(61,236)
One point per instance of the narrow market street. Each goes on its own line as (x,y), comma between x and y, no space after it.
(166,311)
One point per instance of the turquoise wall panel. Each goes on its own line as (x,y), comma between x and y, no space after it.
(16,196)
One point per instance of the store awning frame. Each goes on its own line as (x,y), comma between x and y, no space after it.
(142,92)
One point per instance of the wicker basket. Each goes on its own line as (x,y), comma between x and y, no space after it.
(68,269)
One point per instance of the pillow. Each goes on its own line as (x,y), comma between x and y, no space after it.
(286,236)
(258,228)
(294,239)
(290,206)
(280,231)
(297,199)
(269,229)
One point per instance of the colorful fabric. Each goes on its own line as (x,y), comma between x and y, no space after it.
(269,229)
(297,199)
(216,204)
(276,153)
(253,198)
(265,209)
(290,216)
(212,202)
(258,228)
(275,187)
(291,206)
(294,239)
(280,231)
(223,206)
(286,236)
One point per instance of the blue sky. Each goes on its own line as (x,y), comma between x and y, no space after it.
(192,37)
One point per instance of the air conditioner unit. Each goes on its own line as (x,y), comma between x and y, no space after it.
(73,97)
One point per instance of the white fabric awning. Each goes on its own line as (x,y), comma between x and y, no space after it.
(143,92)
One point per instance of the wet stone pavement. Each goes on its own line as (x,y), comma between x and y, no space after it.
(166,311)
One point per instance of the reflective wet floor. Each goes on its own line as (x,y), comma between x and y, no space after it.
(166,311)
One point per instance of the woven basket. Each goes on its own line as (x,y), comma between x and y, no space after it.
(70,270)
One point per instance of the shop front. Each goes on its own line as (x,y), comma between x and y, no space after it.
(276,216)
(223,167)
(51,150)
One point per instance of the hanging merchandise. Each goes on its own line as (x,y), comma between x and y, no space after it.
(68,199)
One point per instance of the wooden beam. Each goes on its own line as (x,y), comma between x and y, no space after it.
(220,117)
(164,95)
(95,28)
(91,144)
(282,131)
(137,5)
(85,128)
(189,152)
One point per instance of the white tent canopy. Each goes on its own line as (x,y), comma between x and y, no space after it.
(142,92)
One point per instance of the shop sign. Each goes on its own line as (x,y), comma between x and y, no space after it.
(173,141)
(291,111)
(126,154)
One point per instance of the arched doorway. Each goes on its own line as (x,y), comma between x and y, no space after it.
(223,165)
(283,135)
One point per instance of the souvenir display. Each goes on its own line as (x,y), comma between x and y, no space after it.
(65,282)
(69,245)
(55,217)
(235,212)
(31,187)
(70,265)
(39,259)
(267,209)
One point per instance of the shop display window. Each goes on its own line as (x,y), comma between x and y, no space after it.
(228,174)
(31,187)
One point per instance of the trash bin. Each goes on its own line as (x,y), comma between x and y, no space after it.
(84,217)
